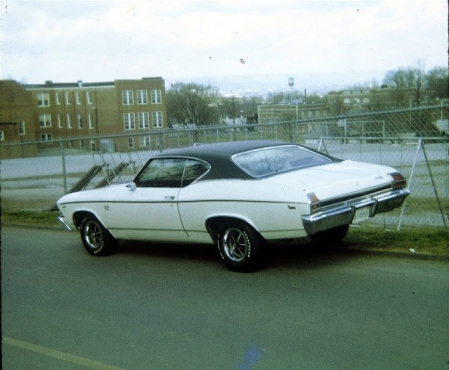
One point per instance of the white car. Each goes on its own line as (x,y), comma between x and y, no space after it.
(237,195)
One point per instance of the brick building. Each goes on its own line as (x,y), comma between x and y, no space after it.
(16,120)
(270,113)
(46,113)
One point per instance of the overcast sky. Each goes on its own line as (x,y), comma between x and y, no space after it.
(66,41)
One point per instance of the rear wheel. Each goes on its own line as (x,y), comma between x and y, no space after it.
(96,238)
(240,246)
(331,236)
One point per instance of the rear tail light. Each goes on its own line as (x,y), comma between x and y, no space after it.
(399,181)
(314,202)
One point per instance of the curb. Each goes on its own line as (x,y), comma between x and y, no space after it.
(409,255)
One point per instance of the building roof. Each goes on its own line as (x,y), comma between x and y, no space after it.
(73,85)
(68,85)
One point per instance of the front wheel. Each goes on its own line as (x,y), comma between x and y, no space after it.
(96,238)
(240,246)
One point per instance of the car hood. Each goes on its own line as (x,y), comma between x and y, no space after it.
(338,178)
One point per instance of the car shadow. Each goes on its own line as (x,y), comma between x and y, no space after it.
(304,254)
(203,252)
(299,254)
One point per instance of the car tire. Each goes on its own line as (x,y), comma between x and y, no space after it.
(240,246)
(97,240)
(331,236)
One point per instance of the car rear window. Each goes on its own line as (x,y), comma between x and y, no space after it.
(273,160)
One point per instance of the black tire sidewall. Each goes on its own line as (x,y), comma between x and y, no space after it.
(253,255)
(107,244)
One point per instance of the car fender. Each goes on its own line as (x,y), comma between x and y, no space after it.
(214,221)
(79,211)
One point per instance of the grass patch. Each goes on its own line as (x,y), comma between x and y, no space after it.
(421,240)
(31,218)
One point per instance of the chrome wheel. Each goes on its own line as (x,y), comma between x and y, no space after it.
(96,238)
(239,245)
(93,235)
(236,244)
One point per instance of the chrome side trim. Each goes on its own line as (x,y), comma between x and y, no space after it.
(62,221)
(343,213)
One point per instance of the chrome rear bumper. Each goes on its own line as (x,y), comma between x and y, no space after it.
(343,213)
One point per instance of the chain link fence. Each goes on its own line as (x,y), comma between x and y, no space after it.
(414,141)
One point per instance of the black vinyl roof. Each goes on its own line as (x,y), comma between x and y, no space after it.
(219,156)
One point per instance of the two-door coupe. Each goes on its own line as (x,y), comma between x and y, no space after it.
(237,195)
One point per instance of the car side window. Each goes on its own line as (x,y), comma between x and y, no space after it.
(193,171)
(161,173)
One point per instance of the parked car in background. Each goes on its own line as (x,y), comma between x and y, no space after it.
(237,195)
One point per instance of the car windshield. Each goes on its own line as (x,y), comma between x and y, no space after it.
(270,161)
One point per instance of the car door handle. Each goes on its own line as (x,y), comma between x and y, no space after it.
(170,197)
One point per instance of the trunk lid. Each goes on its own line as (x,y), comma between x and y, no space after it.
(338,179)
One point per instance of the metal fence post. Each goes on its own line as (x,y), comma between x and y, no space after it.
(437,196)
(415,160)
(64,171)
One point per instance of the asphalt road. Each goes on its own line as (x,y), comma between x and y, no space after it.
(176,307)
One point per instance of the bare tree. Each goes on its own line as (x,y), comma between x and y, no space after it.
(191,103)
(437,83)
(408,84)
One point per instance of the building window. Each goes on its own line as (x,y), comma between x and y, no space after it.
(127,97)
(59,120)
(144,120)
(145,141)
(67,98)
(22,128)
(45,120)
(130,142)
(57,98)
(90,121)
(69,121)
(129,121)
(43,100)
(79,121)
(46,137)
(89,97)
(77,98)
(157,119)
(2,136)
(142,97)
(156,97)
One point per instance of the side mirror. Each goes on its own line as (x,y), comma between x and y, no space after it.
(131,186)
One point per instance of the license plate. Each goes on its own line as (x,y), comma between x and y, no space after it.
(360,215)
